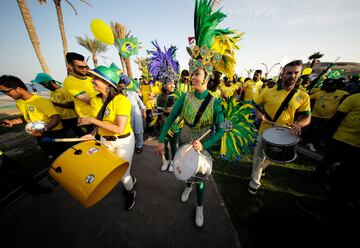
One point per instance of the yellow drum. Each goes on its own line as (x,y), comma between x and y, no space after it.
(88,171)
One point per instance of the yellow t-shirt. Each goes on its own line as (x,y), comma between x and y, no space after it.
(37,108)
(349,129)
(272,99)
(326,103)
(156,89)
(252,89)
(227,91)
(216,94)
(313,91)
(60,95)
(262,90)
(120,105)
(145,91)
(183,87)
(77,86)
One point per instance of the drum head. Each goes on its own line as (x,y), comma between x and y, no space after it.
(280,136)
(35,126)
(185,162)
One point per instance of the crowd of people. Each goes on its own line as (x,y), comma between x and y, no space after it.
(180,107)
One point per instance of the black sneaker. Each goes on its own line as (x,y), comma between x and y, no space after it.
(130,200)
(252,191)
(138,150)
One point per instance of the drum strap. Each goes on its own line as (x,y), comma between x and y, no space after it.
(201,109)
(101,113)
(282,107)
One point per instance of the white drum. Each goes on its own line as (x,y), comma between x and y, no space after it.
(189,164)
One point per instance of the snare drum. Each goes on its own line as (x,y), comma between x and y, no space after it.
(189,164)
(88,171)
(279,144)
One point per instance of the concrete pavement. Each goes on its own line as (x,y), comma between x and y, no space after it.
(158,219)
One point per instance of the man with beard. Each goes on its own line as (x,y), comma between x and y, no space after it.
(296,115)
(34,109)
(63,102)
(78,84)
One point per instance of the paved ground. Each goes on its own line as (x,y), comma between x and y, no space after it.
(158,219)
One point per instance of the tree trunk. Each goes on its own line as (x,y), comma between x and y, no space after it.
(95,61)
(123,64)
(61,26)
(313,62)
(128,67)
(24,9)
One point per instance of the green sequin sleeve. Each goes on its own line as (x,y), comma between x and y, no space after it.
(175,112)
(219,118)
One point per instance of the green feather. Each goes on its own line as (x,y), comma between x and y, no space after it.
(205,23)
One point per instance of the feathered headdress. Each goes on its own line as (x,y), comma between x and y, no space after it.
(162,65)
(215,48)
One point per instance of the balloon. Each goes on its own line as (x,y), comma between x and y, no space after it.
(307,71)
(102,31)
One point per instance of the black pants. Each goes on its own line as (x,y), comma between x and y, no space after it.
(71,124)
(12,170)
(344,179)
(53,148)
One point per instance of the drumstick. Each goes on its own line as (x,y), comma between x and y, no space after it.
(274,124)
(208,131)
(53,140)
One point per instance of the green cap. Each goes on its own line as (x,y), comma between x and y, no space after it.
(106,74)
(42,78)
(115,68)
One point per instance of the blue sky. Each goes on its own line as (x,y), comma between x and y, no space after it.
(273,29)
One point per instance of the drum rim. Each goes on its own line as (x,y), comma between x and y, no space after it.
(291,144)
(281,162)
(286,145)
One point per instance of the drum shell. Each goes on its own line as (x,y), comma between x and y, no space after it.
(280,153)
(189,164)
(88,176)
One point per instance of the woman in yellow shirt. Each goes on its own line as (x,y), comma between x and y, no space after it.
(111,115)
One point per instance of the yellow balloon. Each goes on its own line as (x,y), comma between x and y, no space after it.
(102,31)
(307,71)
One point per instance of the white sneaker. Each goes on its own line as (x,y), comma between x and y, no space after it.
(186,193)
(311,147)
(171,166)
(165,165)
(199,217)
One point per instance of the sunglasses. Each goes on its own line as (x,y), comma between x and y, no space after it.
(82,67)
(7,91)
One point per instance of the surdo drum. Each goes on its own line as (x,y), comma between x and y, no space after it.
(88,171)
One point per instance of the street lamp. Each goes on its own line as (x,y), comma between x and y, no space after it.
(267,69)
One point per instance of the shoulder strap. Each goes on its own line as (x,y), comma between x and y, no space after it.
(201,109)
(285,104)
(101,112)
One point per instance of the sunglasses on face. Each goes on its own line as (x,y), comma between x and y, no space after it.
(82,67)
(7,91)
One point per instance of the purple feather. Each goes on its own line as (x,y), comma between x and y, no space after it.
(162,64)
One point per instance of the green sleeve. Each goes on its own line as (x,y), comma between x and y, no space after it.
(219,132)
(175,112)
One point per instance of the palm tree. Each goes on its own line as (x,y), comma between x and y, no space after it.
(61,20)
(314,58)
(119,31)
(24,9)
(94,46)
